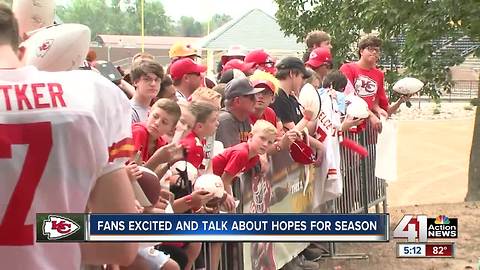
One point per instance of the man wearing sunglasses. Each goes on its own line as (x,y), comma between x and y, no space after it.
(262,61)
(234,126)
(186,76)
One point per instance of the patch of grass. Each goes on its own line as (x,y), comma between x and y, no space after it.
(436,111)
(468,108)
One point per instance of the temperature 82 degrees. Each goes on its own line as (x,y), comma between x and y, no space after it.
(445,250)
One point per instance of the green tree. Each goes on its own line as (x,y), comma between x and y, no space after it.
(88,12)
(8,2)
(189,27)
(218,20)
(120,17)
(421,23)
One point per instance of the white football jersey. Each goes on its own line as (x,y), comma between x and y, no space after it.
(328,129)
(59,132)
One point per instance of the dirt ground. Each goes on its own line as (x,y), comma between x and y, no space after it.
(433,158)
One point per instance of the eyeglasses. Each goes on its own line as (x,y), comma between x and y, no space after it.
(374,49)
(267,64)
(150,79)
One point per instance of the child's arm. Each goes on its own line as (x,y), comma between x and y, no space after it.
(349,122)
(194,201)
(319,149)
(168,153)
(229,203)
(227,179)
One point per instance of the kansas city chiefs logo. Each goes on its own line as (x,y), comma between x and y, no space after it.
(44,47)
(365,87)
(57,227)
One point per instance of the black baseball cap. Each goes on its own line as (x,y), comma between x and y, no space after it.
(293,63)
(240,87)
(230,75)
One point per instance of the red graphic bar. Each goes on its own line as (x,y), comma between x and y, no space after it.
(439,250)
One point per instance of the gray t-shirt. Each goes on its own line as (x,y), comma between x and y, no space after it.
(139,112)
(231,131)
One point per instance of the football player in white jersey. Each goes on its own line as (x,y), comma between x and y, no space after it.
(64,139)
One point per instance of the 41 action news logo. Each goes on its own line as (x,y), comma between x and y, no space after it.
(422,228)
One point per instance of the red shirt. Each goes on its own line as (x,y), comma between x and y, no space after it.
(140,140)
(268,115)
(194,146)
(368,84)
(233,160)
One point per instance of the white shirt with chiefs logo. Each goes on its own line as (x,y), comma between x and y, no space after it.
(59,132)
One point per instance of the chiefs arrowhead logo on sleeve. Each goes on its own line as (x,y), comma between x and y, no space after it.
(121,149)
(57,227)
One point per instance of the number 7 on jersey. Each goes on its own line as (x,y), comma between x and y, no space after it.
(38,137)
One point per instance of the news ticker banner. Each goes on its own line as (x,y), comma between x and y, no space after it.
(213,227)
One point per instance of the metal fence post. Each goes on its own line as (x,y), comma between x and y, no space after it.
(363,174)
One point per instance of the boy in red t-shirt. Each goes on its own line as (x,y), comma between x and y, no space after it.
(206,123)
(243,156)
(147,138)
(239,158)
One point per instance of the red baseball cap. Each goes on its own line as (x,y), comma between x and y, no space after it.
(258,56)
(238,64)
(301,152)
(185,66)
(318,57)
(261,58)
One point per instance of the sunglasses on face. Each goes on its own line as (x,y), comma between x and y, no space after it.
(266,64)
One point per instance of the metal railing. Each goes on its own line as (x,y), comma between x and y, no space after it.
(361,191)
(464,89)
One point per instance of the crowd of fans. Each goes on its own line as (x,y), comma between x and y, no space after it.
(185,125)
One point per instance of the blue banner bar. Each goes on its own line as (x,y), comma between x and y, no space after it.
(239,227)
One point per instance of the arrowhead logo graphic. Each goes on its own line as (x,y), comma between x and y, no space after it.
(57,227)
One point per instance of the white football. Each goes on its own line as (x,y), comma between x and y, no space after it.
(58,48)
(183,165)
(356,107)
(211,183)
(408,86)
(33,14)
(310,99)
